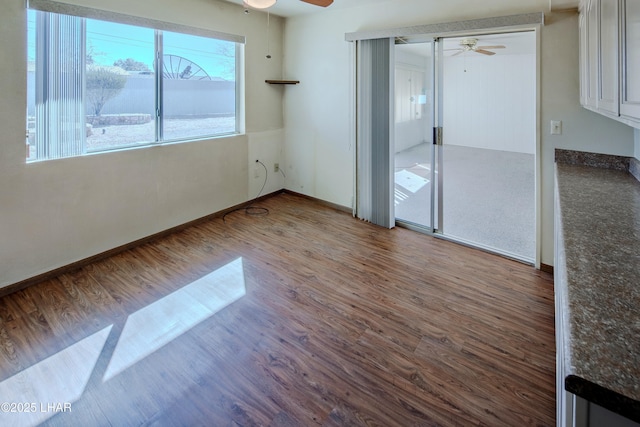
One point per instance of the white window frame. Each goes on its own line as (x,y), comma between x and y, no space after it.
(90,13)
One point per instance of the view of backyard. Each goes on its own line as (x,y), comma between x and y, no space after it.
(110,137)
(102,86)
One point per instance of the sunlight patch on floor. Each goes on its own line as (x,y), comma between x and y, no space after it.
(410,181)
(51,385)
(157,324)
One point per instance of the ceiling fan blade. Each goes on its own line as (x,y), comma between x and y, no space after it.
(484,52)
(491,47)
(322,3)
(461,51)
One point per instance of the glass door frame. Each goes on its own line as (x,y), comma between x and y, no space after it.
(434,100)
(435,225)
(438,135)
(435,31)
(439,145)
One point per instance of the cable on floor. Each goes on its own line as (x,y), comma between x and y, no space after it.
(248,208)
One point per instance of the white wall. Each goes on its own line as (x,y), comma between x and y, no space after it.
(319,116)
(409,133)
(56,212)
(636,135)
(582,129)
(490,101)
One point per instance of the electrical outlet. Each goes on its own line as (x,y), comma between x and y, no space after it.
(276,167)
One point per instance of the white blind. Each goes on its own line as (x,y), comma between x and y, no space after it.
(374,176)
(60,113)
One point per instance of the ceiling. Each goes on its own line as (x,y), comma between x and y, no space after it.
(289,8)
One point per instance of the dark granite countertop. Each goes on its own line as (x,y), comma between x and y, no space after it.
(600,290)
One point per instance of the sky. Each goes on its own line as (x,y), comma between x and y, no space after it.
(110,41)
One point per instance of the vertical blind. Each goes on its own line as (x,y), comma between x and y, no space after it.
(374,177)
(60,111)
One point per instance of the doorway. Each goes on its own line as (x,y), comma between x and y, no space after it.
(478,186)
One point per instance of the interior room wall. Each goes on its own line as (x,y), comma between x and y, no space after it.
(636,137)
(582,130)
(490,101)
(54,213)
(319,132)
(414,132)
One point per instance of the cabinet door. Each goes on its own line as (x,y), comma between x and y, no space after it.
(608,64)
(582,61)
(630,96)
(592,54)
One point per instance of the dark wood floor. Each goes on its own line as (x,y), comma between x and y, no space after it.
(342,323)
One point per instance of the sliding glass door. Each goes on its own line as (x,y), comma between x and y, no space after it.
(414,112)
(476,183)
(487,156)
(447,132)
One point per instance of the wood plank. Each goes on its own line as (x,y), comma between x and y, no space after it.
(342,323)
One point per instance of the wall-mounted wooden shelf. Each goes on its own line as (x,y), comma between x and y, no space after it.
(282,82)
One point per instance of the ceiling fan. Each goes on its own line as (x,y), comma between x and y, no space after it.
(322,3)
(470,45)
(265,4)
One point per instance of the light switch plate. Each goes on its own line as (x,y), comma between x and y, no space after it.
(556,127)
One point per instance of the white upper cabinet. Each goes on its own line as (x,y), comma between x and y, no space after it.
(591,54)
(610,58)
(583,58)
(630,88)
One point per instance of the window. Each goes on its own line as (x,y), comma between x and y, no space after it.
(96,85)
(411,94)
